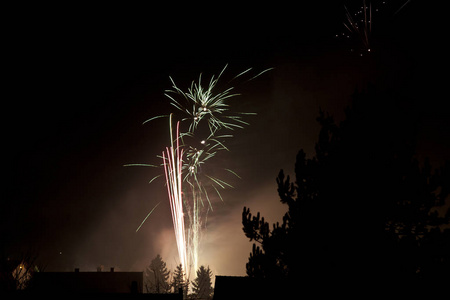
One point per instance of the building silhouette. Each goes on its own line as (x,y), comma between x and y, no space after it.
(111,285)
(244,287)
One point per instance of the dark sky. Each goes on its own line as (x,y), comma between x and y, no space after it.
(81,80)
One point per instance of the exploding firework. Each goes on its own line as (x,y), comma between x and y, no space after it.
(206,114)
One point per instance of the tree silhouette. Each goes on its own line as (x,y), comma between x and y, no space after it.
(202,285)
(157,276)
(17,270)
(180,280)
(362,209)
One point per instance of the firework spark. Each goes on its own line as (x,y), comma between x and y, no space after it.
(148,215)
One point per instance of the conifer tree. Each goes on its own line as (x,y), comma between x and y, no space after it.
(157,276)
(180,280)
(363,209)
(202,285)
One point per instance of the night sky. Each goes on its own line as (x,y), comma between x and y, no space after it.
(79,82)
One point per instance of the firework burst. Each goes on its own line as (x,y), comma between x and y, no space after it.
(206,114)
(362,27)
(359,22)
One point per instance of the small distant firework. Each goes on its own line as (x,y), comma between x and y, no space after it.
(358,26)
(359,21)
(205,114)
(361,25)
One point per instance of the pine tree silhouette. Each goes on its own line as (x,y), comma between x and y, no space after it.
(179,280)
(362,210)
(202,285)
(157,276)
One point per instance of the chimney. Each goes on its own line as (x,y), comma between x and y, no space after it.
(112,269)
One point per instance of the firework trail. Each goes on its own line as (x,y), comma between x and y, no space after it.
(186,180)
(173,162)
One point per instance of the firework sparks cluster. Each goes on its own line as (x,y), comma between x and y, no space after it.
(205,115)
(359,24)
(359,19)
